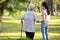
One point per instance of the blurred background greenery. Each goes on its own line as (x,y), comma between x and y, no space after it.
(12,10)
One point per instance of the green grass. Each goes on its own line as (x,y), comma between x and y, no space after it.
(11,29)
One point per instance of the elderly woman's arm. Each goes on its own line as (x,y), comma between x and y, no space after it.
(37,19)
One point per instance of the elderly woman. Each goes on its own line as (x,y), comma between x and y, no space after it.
(29,21)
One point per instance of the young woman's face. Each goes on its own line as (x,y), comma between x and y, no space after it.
(43,8)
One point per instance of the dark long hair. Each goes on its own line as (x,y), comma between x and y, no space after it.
(46,6)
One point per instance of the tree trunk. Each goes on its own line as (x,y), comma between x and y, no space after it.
(1,15)
(3,5)
(52,7)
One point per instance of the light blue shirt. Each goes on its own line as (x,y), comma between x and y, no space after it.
(29,21)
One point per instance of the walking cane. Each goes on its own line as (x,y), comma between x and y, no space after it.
(21,31)
(21,28)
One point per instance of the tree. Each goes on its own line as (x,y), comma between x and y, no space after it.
(11,6)
(51,1)
(56,6)
(50,4)
(3,5)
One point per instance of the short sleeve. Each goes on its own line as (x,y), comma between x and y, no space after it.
(35,17)
(22,17)
(44,13)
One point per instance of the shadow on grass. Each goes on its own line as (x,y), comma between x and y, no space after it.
(34,39)
(10,27)
(55,38)
(54,25)
(14,27)
(13,39)
(52,28)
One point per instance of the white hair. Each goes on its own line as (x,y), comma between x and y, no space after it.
(31,6)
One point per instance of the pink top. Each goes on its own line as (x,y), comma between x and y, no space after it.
(45,16)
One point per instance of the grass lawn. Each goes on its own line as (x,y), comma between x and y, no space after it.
(11,29)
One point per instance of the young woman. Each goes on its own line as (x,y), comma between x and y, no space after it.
(29,21)
(45,20)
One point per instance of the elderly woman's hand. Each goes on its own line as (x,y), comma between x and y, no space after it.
(40,20)
(21,21)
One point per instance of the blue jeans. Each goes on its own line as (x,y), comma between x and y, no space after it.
(44,29)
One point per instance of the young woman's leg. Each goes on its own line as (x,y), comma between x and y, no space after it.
(46,29)
(43,33)
(29,35)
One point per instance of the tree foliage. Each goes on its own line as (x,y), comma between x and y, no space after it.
(12,5)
